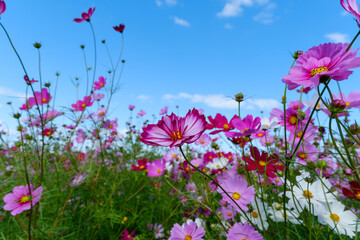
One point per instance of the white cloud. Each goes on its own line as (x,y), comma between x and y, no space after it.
(234,7)
(181,22)
(143,97)
(11,93)
(337,37)
(266,16)
(222,102)
(159,3)
(228,26)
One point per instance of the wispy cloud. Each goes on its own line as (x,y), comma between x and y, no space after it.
(266,16)
(167,2)
(181,22)
(143,97)
(337,37)
(234,7)
(222,102)
(11,93)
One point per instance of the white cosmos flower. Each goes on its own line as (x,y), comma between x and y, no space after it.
(277,214)
(258,214)
(268,124)
(218,163)
(343,222)
(310,194)
(311,103)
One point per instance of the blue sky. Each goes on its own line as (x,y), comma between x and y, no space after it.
(187,53)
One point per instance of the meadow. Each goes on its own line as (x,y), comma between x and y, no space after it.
(188,177)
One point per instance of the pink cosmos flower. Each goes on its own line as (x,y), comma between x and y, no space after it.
(221,122)
(329,59)
(188,231)
(80,136)
(19,200)
(97,96)
(110,125)
(156,168)
(2,7)
(141,113)
(243,231)
(246,126)
(80,105)
(163,111)
(131,107)
(100,84)
(204,140)
(174,131)
(28,81)
(119,28)
(127,236)
(239,191)
(85,16)
(352,8)
(40,98)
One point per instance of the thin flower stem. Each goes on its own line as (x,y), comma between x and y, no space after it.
(352,42)
(216,183)
(95,53)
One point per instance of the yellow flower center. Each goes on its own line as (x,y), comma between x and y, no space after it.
(335,217)
(254,214)
(302,155)
(226,127)
(236,195)
(142,167)
(347,104)
(83,105)
(320,69)
(262,163)
(292,120)
(202,141)
(101,84)
(217,166)
(158,171)
(299,134)
(229,214)
(44,100)
(24,199)
(357,195)
(188,237)
(308,194)
(176,135)
(260,134)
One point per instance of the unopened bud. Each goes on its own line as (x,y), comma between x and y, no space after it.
(37,45)
(297,54)
(239,97)
(103,41)
(337,106)
(47,85)
(82,46)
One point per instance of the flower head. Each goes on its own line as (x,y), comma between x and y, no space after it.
(100,84)
(119,28)
(246,126)
(2,7)
(163,111)
(239,191)
(85,16)
(352,8)
(243,231)
(131,107)
(189,231)
(80,105)
(20,199)
(329,59)
(174,131)
(353,192)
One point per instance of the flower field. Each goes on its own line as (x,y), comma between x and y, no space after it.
(184,177)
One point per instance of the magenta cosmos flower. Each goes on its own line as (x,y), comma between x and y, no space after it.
(2,7)
(189,231)
(246,126)
(156,168)
(85,16)
(19,200)
(328,59)
(119,28)
(174,131)
(239,191)
(351,7)
(100,84)
(80,105)
(243,231)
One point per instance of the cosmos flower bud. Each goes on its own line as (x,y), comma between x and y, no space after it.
(337,106)
(37,45)
(297,54)
(239,97)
